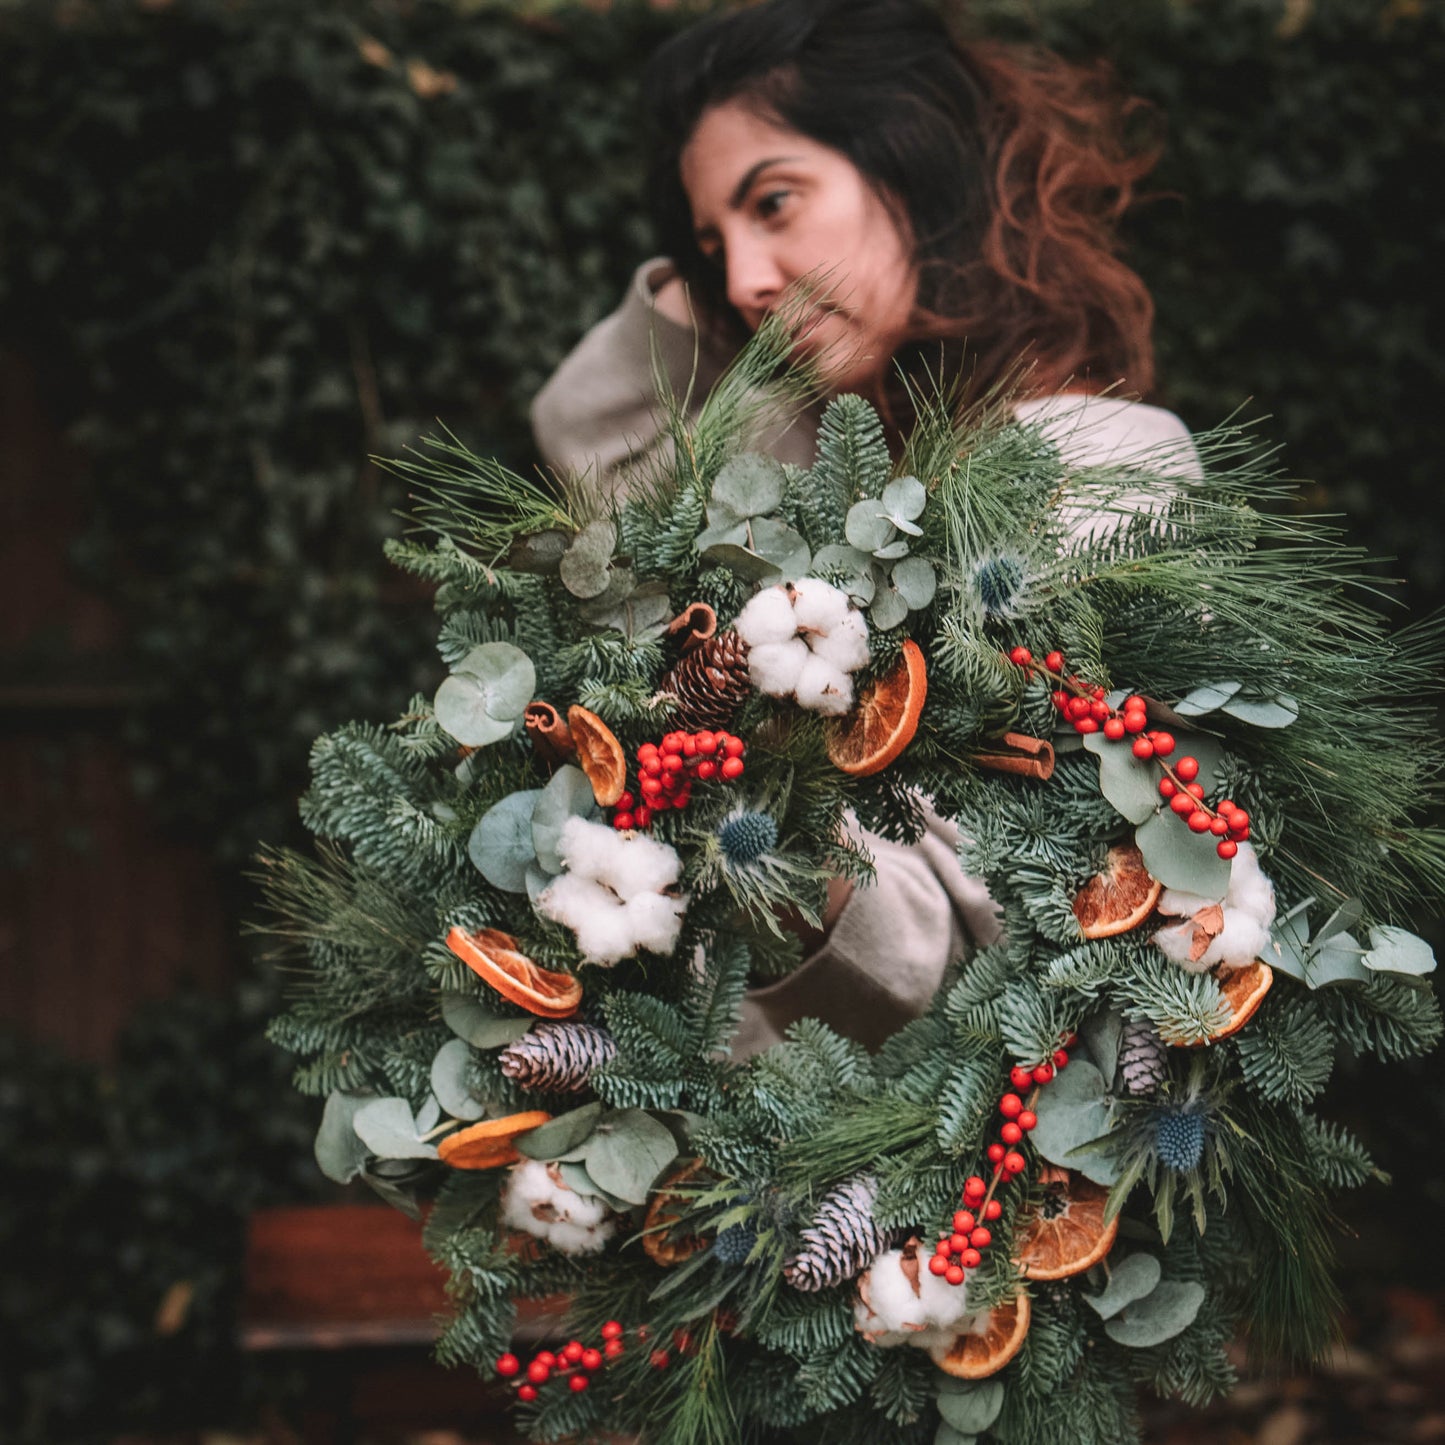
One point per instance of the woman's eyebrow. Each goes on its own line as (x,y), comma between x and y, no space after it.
(740,191)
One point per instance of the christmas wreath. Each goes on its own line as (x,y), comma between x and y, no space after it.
(1181,749)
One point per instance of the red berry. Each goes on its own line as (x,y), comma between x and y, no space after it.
(1238,819)
(974,1187)
(643,815)
(572,1351)
(1218,826)
(1010,1133)
(689,747)
(1143,748)
(1239,835)
(577,1383)
(939,1264)
(1061,701)
(612,1330)
(1182,804)
(591,1359)
(1198,822)
(1027,1120)
(971,1260)
(1114,729)
(953,1274)
(672,763)
(526,1393)
(1168,788)
(1085,725)
(1010,1106)
(1098,710)
(1021,657)
(732,767)
(1163,743)
(659,1359)
(650,786)
(1098,693)
(1061,1058)
(996,1153)
(1054,662)
(650,768)
(538,1373)
(1043,1073)
(508,1365)
(546,1357)
(670,782)
(957,1242)
(1078,707)
(1136,722)
(1226,848)
(706,769)
(1195,790)
(623,822)
(1187,768)
(647,750)
(1014,1163)
(992,1209)
(626,803)
(733,747)
(1020,1077)
(981,1238)
(613,1348)
(963,1221)
(706,743)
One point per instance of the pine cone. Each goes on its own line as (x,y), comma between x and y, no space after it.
(842,1241)
(1143,1056)
(710,682)
(557,1058)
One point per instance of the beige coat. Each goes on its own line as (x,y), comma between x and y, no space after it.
(894,940)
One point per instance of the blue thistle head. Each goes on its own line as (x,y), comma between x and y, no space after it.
(1002,583)
(734,1244)
(1179,1140)
(746,837)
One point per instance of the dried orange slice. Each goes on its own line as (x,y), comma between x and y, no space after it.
(1119,898)
(659,1242)
(490,1144)
(883,720)
(986,1348)
(599,755)
(1067,1233)
(492,955)
(1244,990)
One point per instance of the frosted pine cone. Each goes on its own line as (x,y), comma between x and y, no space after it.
(558,1058)
(842,1241)
(1143,1057)
(710,682)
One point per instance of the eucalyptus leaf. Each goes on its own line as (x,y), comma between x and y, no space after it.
(750,485)
(1167,1310)
(1129,1281)
(736,558)
(782,546)
(567,795)
(1181,859)
(892,551)
(339,1152)
(947,1435)
(1276,712)
(627,1152)
(579,1181)
(449,1068)
(916,582)
(1288,948)
(470,1019)
(541,552)
(867,526)
(388,1128)
(1129,784)
(500,845)
(906,497)
(484,698)
(971,1410)
(538,882)
(888,609)
(586,564)
(1205,699)
(560,1135)
(1340,959)
(642,613)
(853,568)
(1072,1112)
(1101,1032)
(1394,950)
(1344,917)
(401,1197)
(429,1114)
(725,531)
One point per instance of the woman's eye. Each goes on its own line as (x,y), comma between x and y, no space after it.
(771,203)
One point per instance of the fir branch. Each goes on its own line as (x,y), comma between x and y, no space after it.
(1288,1052)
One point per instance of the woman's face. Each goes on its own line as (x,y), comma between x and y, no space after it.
(770,207)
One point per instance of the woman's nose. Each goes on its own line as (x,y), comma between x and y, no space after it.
(755,280)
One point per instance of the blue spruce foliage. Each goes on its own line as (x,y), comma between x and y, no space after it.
(1179,1138)
(747,837)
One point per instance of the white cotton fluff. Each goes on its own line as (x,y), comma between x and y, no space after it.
(804,640)
(913,1307)
(1232,937)
(612,894)
(536,1201)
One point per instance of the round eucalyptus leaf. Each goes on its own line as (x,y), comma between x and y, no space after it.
(1344,917)
(627,1153)
(1394,950)
(460,706)
(500,845)
(541,552)
(1128,783)
(579,1181)
(1339,959)
(750,485)
(905,498)
(781,545)
(892,551)
(484,698)
(429,1115)
(947,1435)
(1167,1310)
(1269,712)
(851,567)
(867,526)
(562,1135)
(1181,859)
(640,614)
(916,582)
(973,1409)
(1102,1032)
(538,881)
(339,1152)
(1288,947)
(1205,699)
(388,1128)
(1129,1281)
(726,531)
(1072,1112)
(449,1070)
(586,564)
(568,795)
(470,1019)
(738,559)
(888,609)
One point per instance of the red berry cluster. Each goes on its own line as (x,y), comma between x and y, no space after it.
(1085,707)
(961,1249)
(575,1360)
(666,772)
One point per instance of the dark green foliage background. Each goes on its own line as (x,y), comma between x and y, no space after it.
(245,255)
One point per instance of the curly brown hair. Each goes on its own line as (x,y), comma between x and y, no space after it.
(1010,167)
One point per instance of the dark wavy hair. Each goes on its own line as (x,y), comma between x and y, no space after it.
(1010,169)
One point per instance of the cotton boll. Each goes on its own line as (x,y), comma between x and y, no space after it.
(822,687)
(529,1184)
(655,920)
(1235,931)
(586,848)
(637,865)
(846,645)
(572,1239)
(773,667)
(586,1211)
(768,618)
(1249,889)
(605,935)
(1178,904)
(1177,942)
(817,606)
(1242,940)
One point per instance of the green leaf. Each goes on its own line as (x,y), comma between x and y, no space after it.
(627,1153)
(1205,699)
(905,498)
(1344,917)
(500,846)
(470,1019)
(1181,859)
(1102,1032)
(750,485)
(560,1135)
(947,1435)
(579,1181)
(1074,1111)
(388,1128)
(541,552)
(888,609)
(1276,712)
(867,526)
(1129,1281)
(782,546)
(726,531)
(1288,948)
(1338,960)
(567,795)
(484,698)
(449,1081)
(916,582)
(585,565)
(1394,950)
(736,558)
(1130,785)
(1167,1310)
(972,1408)
(339,1152)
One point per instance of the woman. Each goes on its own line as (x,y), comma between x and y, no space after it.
(959,205)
